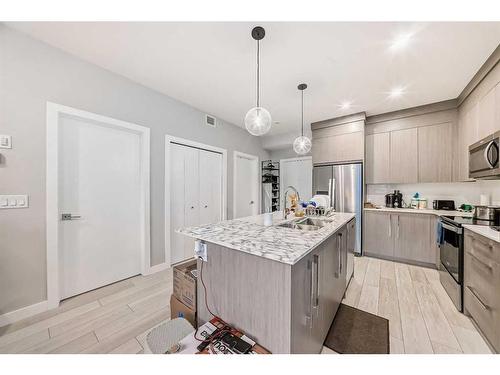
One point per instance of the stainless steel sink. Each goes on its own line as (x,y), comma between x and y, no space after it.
(307,223)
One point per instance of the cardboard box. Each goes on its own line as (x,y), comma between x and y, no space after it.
(185,283)
(179,310)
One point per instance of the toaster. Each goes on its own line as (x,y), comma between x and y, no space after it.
(441,204)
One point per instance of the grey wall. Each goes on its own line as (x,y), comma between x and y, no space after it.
(32,73)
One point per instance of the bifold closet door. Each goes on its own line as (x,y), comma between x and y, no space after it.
(184,199)
(210,187)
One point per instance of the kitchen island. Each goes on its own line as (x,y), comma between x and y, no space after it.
(280,284)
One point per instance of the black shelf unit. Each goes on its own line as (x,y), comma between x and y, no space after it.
(271,175)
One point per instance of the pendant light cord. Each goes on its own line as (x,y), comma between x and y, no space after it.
(302,112)
(258,73)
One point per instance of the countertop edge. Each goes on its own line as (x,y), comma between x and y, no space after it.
(484,231)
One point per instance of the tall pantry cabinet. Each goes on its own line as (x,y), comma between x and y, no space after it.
(195,194)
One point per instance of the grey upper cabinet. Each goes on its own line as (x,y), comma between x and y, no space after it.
(486,113)
(377,159)
(338,148)
(378,236)
(435,153)
(339,140)
(404,165)
(467,135)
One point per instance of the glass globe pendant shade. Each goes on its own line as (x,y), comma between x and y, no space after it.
(302,145)
(258,121)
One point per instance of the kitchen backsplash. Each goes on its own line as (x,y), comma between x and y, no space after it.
(460,192)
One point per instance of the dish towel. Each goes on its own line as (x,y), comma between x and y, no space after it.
(439,233)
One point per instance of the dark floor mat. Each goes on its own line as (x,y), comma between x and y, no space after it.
(357,332)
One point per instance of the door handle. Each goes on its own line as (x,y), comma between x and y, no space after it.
(65,217)
(397,233)
(491,158)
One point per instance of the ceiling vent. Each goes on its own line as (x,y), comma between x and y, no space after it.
(210,121)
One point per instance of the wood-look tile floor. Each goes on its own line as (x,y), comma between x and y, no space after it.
(113,319)
(422,318)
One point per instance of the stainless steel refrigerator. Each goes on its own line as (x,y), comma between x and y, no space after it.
(344,184)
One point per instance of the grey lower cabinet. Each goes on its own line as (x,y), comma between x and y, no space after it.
(318,287)
(378,238)
(481,285)
(408,237)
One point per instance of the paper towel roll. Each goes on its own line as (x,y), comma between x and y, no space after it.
(484,199)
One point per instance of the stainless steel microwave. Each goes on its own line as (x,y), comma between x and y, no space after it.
(483,158)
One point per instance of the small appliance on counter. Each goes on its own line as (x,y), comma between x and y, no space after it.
(490,213)
(394,200)
(441,204)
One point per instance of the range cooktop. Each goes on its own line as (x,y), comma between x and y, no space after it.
(461,220)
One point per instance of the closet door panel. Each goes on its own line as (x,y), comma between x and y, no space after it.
(210,187)
(177,202)
(192,192)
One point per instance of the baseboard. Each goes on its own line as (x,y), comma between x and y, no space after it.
(157,268)
(23,313)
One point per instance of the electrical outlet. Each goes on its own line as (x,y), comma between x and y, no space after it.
(5,141)
(200,250)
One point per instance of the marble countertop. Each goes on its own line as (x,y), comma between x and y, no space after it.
(250,235)
(426,211)
(484,231)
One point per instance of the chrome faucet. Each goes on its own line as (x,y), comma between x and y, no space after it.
(285,194)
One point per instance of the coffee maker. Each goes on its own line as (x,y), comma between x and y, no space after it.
(394,200)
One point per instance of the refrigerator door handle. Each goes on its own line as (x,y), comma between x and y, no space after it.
(331,191)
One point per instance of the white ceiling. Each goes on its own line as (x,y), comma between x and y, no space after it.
(211,66)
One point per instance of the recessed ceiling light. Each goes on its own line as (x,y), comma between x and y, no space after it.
(401,41)
(396,92)
(345,105)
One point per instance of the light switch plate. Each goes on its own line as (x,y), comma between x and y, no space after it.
(5,141)
(13,201)
(200,250)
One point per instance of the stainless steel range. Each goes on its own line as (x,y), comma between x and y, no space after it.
(451,253)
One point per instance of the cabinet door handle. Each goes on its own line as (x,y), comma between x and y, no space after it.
(309,320)
(397,233)
(315,279)
(390,226)
(340,254)
(474,293)
(480,261)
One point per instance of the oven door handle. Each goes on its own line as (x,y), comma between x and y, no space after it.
(451,228)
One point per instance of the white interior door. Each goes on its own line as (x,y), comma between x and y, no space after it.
(246,185)
(99,180)
(195,194)
(297,172)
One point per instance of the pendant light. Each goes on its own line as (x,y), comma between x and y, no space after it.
(258,119)
(302,145)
